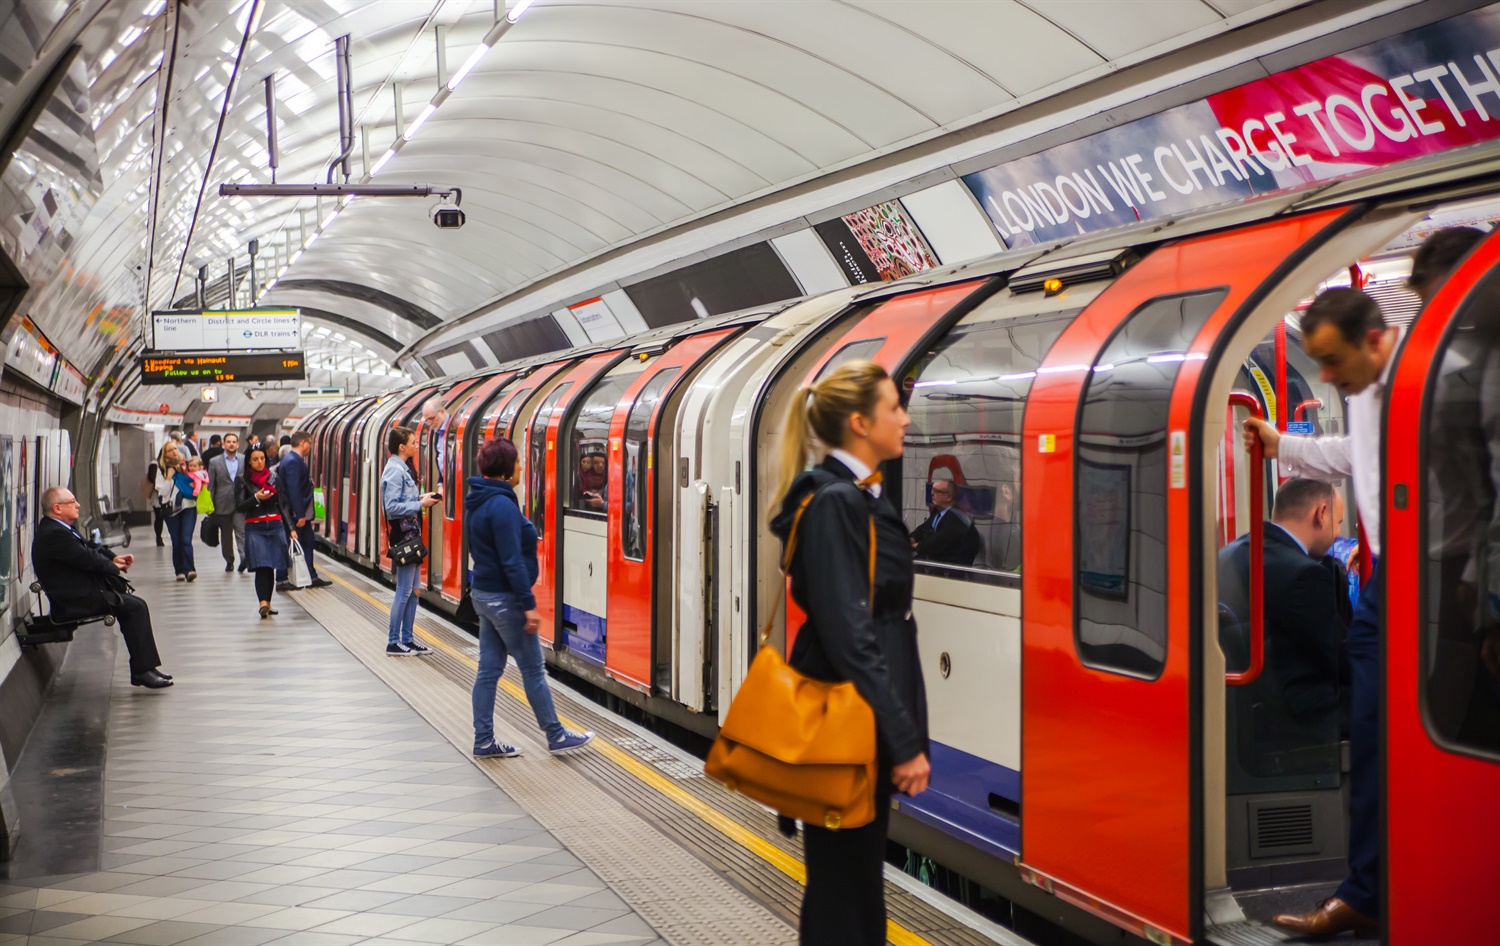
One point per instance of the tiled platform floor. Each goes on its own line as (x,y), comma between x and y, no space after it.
(281,793)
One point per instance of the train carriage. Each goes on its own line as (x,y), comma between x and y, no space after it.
(1089,714)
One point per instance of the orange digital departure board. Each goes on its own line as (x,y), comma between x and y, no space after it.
(194,369)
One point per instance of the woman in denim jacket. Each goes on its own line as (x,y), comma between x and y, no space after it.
(403,506)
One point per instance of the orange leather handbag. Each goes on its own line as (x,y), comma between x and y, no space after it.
(804,747)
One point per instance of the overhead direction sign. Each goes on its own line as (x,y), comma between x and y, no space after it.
(226,330)
(214,369)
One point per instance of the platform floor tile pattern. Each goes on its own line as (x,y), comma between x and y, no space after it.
(282,793)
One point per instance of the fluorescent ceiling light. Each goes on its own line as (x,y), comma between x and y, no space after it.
(331,218)
(295,256)
(515,12)
(156,7)
(312,239)
(389,153)
(468,66)
(421,120)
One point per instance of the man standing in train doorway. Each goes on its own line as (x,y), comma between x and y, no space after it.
(1345,332)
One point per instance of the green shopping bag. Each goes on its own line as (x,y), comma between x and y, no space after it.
(205,502)
(318,510)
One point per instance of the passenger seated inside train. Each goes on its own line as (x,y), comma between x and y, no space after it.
(1298,700)
(948,537)
(593,482)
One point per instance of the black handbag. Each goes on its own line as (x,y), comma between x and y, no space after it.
(209,532)
(408,548)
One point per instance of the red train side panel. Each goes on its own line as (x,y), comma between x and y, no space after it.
(1442,801)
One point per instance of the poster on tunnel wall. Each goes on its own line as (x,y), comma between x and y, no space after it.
(1426,91)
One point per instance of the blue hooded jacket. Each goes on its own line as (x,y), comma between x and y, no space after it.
(502,542)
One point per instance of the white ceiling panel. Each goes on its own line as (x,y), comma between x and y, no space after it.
(1114,30)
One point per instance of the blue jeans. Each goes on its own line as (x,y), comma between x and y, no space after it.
(180,528)
(502,633)
(404,605)
(1361,889)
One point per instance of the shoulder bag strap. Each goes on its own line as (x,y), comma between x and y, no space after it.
(791,547)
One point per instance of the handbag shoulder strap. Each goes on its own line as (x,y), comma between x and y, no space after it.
(791,547)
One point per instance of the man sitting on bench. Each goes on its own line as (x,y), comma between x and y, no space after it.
(86,580)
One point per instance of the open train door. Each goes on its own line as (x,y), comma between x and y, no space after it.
(1442,614)
(1113,662)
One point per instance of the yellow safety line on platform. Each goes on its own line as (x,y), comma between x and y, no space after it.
(736,832)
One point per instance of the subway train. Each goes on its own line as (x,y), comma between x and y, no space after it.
(1091,740)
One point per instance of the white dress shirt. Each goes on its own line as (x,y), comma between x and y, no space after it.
(856,466)
(1355,456)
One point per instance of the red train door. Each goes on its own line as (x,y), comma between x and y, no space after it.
(632,517)
(543,480)
(1112,761)
(461,435)
(1442,614)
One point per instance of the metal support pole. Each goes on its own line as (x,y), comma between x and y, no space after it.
(272,146)
(396,89)
(345,98)
(202,288)
(364,136)
(440,33)
(230,300)
(254,284)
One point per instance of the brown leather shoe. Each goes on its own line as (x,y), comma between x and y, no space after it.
(1332,917)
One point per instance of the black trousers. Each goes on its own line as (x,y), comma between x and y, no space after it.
(844,903)
(134,618)
(305,539)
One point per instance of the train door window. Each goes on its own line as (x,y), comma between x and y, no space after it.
(450,471)
(508,414)
(854,351)
(588,457)
(1460,652)
(1120,549)
(961,491)
(638,461)
(536,460)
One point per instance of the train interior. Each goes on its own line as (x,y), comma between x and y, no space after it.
(1285,750)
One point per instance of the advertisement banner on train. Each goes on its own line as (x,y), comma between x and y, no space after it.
(1427,91)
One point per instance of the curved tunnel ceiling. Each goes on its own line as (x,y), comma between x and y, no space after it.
(591,125)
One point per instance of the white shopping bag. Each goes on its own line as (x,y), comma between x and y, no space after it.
(297,574)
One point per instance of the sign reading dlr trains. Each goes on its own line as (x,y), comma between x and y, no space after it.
(196,369)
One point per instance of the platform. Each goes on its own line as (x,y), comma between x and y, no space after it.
(285,791)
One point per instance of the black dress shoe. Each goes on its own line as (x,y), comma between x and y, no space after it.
(242,568)
(286,586)
(151,680)
(320,583)
(229,568)
(163,674)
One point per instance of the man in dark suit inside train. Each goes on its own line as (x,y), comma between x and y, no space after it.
(84,579)
(948,537)
(1304,625)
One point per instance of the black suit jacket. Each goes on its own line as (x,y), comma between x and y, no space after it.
(1304,626)
(80,577)
(954,541)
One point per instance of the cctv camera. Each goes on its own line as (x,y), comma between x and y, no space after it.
(447,218)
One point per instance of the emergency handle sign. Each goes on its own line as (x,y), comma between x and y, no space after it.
(226,330)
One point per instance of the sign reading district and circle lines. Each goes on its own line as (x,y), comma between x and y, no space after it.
(226,330)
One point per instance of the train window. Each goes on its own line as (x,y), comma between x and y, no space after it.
(1120,549)
(962,482)
(638,462)
(1460,653)
(589,456)
(508,414)
(854,351)
(536,460)
(7,518)
(450,438)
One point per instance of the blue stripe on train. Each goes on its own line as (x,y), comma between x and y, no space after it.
(957,801)
(585,636)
